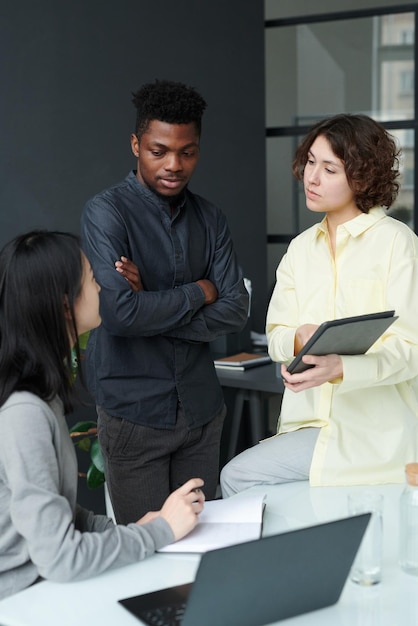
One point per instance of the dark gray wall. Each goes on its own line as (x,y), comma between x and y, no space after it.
(67,72)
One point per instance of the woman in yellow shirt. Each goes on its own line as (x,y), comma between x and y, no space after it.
(349,419)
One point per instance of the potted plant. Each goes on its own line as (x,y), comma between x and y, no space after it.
(84,434)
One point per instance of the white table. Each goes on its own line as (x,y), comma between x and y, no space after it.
(394,602)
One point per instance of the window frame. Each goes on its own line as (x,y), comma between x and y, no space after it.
(410,124)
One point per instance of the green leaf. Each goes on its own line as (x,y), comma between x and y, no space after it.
(82,427)
(83,339)
(95,478)
(82,346)
(84,444)
(96,456)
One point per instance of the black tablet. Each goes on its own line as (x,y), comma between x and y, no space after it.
(348,335)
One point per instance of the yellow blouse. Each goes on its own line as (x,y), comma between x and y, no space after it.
(369,420)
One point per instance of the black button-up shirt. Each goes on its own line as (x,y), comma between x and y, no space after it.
(152,349)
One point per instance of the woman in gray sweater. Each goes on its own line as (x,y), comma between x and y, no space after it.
(48,297)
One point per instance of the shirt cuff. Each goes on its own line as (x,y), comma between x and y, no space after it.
(359,371)
(160,531)
(195,294)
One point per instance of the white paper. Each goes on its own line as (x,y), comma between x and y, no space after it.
(224,523)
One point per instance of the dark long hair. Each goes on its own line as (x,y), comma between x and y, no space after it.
(40,277)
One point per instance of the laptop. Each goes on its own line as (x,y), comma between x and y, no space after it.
(260,581)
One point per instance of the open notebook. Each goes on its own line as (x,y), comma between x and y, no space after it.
(224,523)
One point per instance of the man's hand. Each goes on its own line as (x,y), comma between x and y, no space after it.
(209,289)
(129,270)
(181,509)
(327,368)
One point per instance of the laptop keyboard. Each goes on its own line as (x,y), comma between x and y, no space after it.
(164,616)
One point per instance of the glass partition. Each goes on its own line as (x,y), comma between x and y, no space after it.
(320,66)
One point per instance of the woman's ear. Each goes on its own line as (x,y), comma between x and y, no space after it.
(69,321)
(67,310)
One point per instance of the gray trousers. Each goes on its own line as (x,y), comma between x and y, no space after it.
(144,465)
(281,459)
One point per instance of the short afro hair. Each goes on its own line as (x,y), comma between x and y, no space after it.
(369,153)
(167,101)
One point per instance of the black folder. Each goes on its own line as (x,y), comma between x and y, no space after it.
(347,335)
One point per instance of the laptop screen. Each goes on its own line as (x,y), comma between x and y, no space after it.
(263,581)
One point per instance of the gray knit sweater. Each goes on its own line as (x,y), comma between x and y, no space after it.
(43,532)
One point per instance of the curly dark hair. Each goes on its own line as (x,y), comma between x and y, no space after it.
(369,153)
(167,101)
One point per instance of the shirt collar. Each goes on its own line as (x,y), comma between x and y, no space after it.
(181,200)
(358,225)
